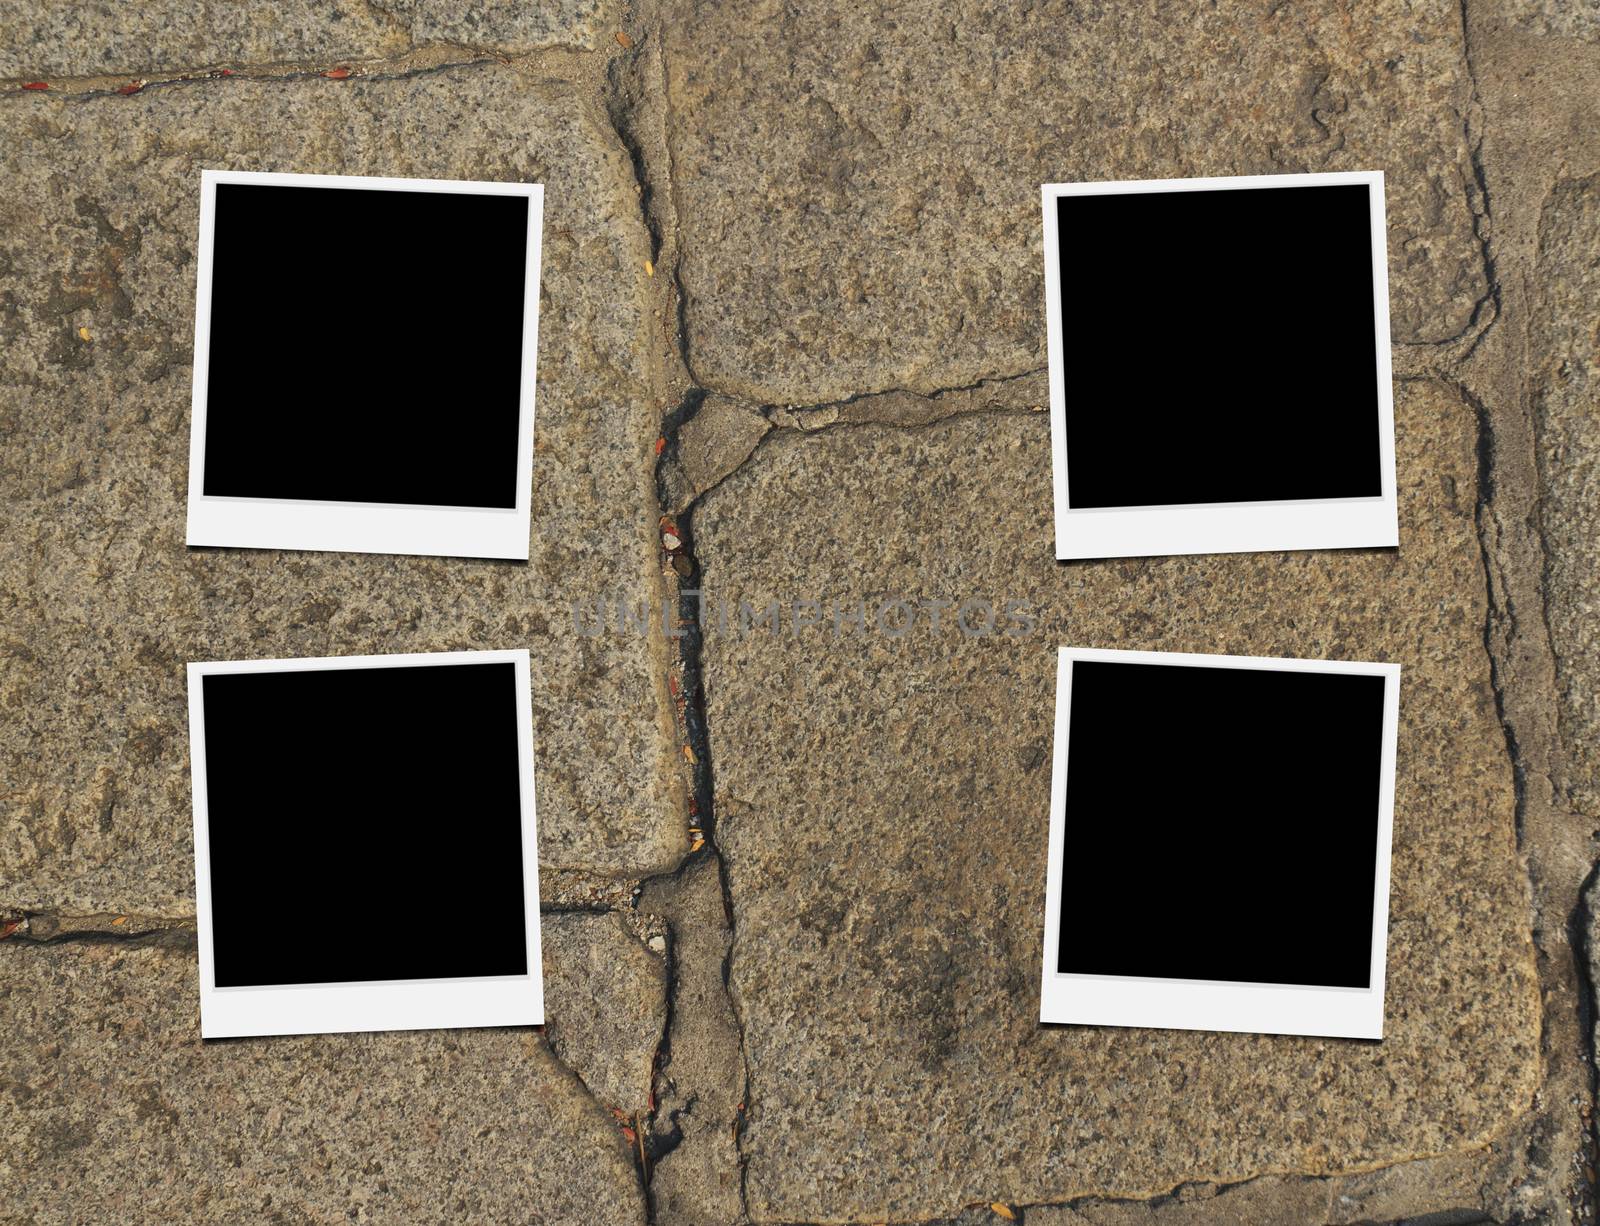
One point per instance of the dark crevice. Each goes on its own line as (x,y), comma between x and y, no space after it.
(134,84)
(179,938)
(1579,925)
(778,428)
(623,98)
(1478,192)
(1500,611)
(1501,632)
(702,807)
(989,381)
(627,99)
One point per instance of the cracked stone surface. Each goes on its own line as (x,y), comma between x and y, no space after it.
(697,1181)
(102,603)
(859,185)
(605,1005)
(46,38)
(1566,397)
(904,782)
(792,298)
(114,1110)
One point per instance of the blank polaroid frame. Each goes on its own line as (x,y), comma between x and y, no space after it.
(438,521)
(1119,269)
(262,972)
(1124,910)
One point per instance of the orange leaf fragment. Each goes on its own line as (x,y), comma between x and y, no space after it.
(623,40)
(337,74)
(1003,1211)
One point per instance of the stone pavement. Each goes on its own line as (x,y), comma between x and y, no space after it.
(792,349)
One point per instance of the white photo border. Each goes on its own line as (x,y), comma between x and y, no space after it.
(1240,527)
(1193,1004)
(405,1004)
(362,527)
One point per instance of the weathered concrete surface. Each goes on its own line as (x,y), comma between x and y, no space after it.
(605,1005)
(859,187)
(882,804)
(101,602)
(55,38)
(114,1110)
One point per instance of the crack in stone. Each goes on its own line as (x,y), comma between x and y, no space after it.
(697,734)
(1478,194)
(628,102)
(688,476)
(420,61)
(41,928)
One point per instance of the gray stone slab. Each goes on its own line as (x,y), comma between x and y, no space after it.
(114,1110)
(55,38)
(882,803)
(101,603)
(1565,379)
(605,1005)
(858,187)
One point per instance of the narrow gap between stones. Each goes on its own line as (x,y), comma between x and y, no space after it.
(416,62)
(626,98)
(1579,921)
(702,809)
(176,935)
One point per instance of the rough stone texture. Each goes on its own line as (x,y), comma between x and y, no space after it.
(1388,1195)
(114,1110)
(712,443)
(882,803)
(859,186)
(511,25)
(696,1182)
(1563,18)
(54,38)
(1566,390)
(101,602)
(605,1005)
(846,302)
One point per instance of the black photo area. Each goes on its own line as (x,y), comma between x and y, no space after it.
(366,345)
(1221,824)
(353,813)
(1219,346)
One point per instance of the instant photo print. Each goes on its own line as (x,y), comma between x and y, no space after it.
(364,364)
(383,795)
(1219,365)
(1219,843)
